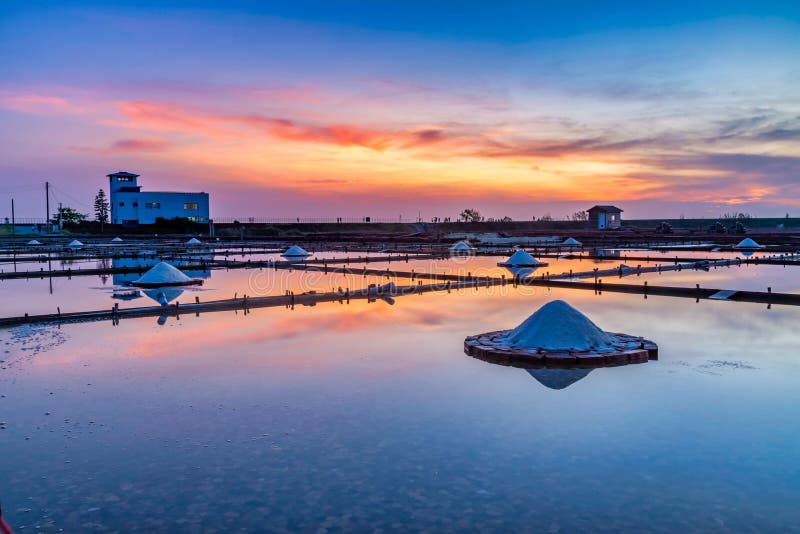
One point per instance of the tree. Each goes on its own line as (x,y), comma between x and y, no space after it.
(101,208)
(470,215)
(579,216)
(69,216)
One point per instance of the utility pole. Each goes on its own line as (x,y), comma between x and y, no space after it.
(13,219)
(47,204)
(60,222)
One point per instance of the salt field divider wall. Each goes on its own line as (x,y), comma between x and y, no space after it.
(311,298)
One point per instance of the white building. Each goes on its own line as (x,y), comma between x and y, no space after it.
(131,206)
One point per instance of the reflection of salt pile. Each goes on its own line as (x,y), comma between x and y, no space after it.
(296,251)
(747,243)
(164,274)
(572,242)
(75,244)
(460,248)
(558,378)
(521,272)
(164,295)
(194,241)
(558,335)
(558,326)
(521,258)
(34,242)
(117,240)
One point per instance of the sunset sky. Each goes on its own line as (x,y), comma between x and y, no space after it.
(341,108)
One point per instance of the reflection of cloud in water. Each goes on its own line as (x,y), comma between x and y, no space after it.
(558,378)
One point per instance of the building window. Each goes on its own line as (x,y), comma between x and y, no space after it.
(121,204)
(135,204)
(190,206)
(195,219)
(124,179)
(152,205)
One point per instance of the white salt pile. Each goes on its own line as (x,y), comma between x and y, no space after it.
(163,274)
(75,244)
(296,251)
(194,241)
(34,242)
(572,242)
(520,258)
(558,326)
(747,243)
(462,247)
(117,240)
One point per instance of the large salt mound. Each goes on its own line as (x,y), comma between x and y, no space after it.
(572,242)
(558,326)
(296,251)
(194,241)
(520,258)
(34,242)
(75,244)
(163,274)
(747,243)
(117,240)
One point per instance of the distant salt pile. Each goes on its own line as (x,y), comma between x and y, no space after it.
(747,243)
(164,274)
(296,252)
(75,244)
(34,242)
(572,242)
(521,258)
(559,335)
(461,248)
(117,240)
(194,241)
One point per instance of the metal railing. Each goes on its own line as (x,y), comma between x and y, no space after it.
(311,220)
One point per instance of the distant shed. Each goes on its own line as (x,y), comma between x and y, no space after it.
(605,217)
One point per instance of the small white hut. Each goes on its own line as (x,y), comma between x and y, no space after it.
(34,242)
(571,242)
(194,241)
(75,244)
(117,240)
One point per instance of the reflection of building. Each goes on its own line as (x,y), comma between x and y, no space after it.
(558,378)
(146,263)
(131,206)
(605,217)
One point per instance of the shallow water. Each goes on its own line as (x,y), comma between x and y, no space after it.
(368,416)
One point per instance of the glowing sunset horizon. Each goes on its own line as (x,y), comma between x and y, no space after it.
(514,109)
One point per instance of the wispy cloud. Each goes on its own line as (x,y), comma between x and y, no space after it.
(39,104)
(127,146)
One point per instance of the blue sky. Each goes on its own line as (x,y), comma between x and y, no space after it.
(516,108)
